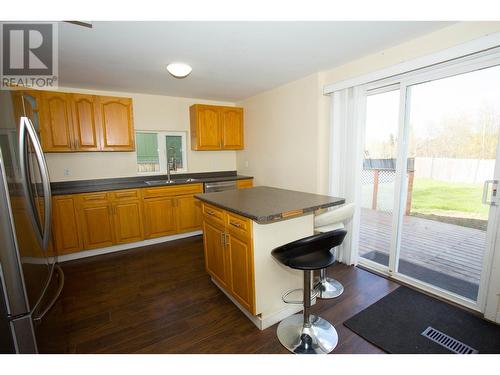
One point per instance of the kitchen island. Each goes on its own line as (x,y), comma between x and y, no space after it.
(240,228)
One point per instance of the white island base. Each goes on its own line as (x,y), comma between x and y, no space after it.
(272,279)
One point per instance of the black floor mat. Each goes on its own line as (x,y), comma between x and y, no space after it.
(439,279)
(395,324)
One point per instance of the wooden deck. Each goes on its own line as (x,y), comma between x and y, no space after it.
(449,249)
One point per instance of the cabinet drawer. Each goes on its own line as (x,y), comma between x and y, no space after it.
(238,225)
(213,213)
(166,191)
(244,184)
(125,194)
(93,197)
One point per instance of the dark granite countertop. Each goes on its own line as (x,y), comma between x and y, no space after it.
(89,186)
(265,204)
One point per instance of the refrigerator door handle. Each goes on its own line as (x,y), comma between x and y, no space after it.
(27,128)
(60,276)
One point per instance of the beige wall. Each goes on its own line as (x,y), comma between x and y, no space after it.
(287,128)
(151,112)
(280,136)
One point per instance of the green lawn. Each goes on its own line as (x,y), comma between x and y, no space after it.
(431,197)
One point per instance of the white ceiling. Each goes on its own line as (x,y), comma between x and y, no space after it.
(231,60)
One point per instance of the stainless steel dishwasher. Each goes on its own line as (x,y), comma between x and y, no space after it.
(210,187)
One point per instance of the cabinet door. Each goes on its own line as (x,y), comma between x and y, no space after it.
(96,222)
(65,228)
(56,125)
(207,128)
(127,218)
(231,128)
(215,257)
(188,214)
(86,122)
(159,217)
(117,123)
(241,270)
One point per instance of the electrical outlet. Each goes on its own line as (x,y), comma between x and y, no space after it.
(66,172)
(246,163)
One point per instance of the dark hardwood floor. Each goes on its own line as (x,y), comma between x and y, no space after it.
(159,299)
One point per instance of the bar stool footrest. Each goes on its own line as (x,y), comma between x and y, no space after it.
(297,302)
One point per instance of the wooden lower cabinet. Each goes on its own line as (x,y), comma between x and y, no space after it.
(215,254)
(101,219)
(228,251)
(244,184)
(127,217)
(65,229)
(96,222)
(188,210)
(170,210)
(159,217)
(241,275)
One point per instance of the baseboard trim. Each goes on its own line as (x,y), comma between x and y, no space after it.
(259,321)
(122,247)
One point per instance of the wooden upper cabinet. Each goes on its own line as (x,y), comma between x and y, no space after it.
(216,128)
(56,126)
(71,122)
(231,128)
(117,123)
(205,127)
(86,122)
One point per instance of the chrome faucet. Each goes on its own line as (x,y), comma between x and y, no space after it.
(171,163)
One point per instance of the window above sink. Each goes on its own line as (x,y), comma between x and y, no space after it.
(154,149)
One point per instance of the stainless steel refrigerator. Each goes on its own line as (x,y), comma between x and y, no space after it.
(30,279)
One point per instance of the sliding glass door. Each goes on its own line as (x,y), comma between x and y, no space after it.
(428,208)
(378,176)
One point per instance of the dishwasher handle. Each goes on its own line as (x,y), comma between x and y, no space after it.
(220,186)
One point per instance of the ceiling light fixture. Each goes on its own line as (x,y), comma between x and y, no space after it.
(179,70)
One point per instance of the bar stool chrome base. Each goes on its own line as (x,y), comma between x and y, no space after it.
(320,338)
(327,288)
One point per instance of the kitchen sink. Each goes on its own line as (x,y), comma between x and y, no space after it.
(160,182)
(167,182)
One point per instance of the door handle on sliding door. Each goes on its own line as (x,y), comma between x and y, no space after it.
(493,196)
(26,127)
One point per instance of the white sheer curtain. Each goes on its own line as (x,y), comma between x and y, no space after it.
(347,126)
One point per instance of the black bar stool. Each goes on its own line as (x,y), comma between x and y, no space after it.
(306,333)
